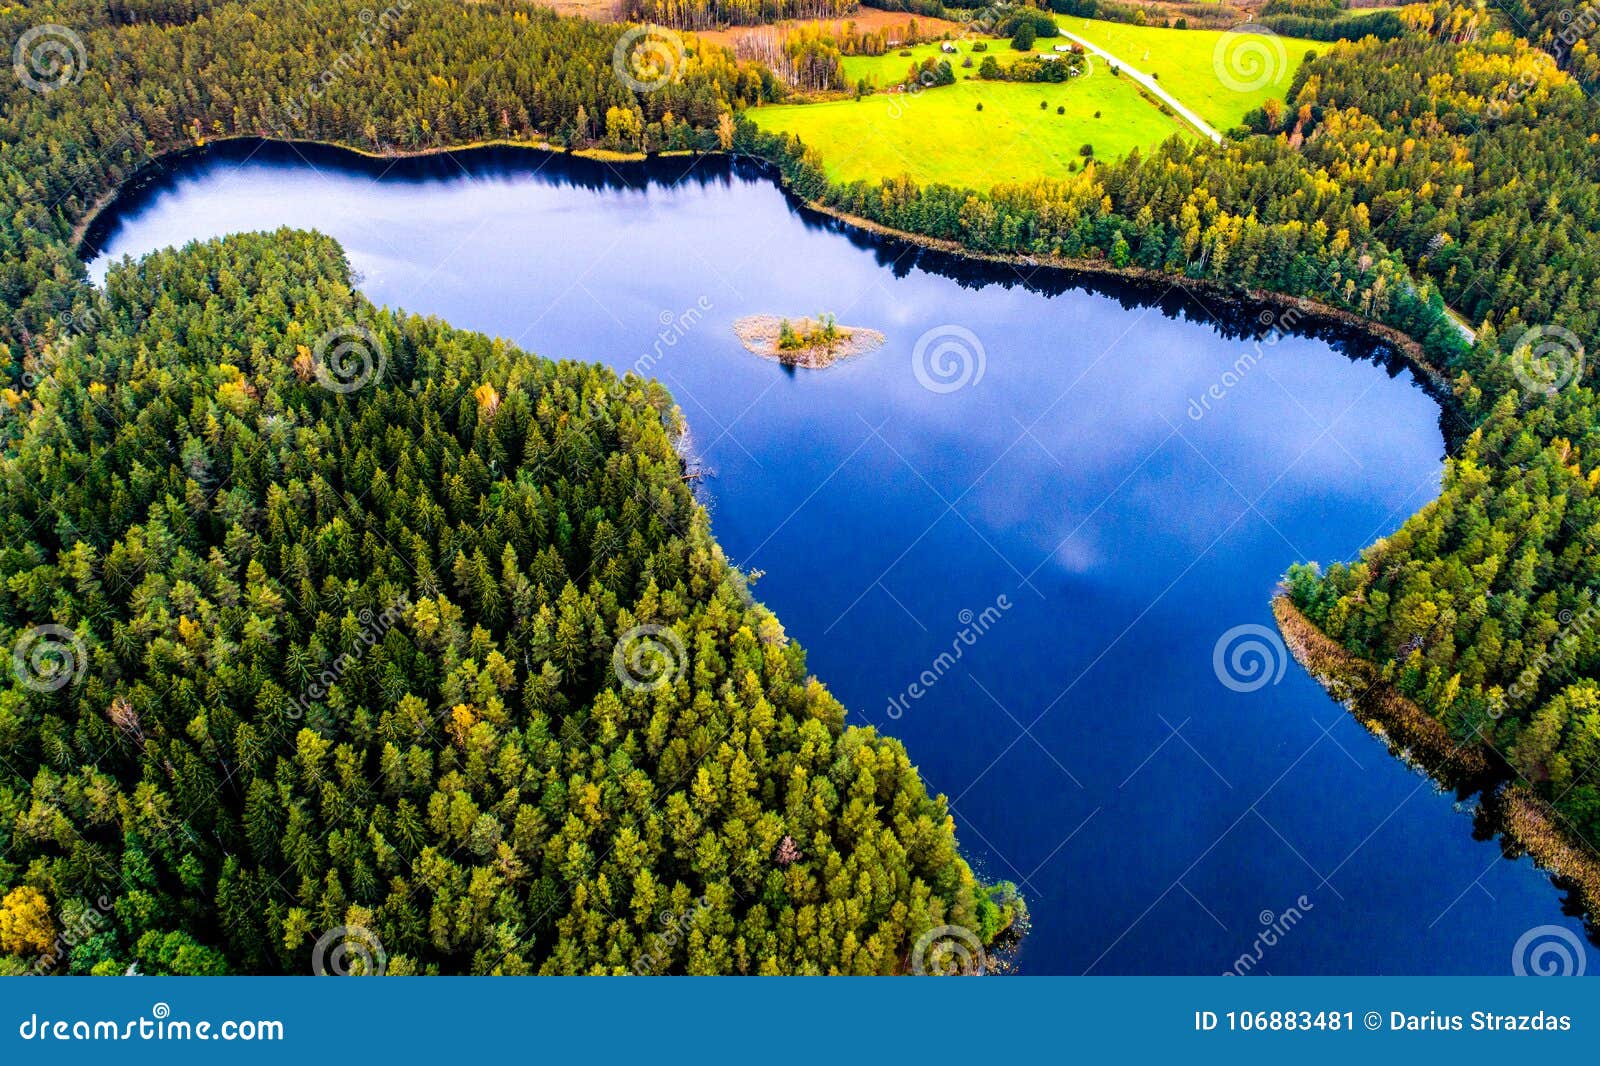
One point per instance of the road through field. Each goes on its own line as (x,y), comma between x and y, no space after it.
(1149,83)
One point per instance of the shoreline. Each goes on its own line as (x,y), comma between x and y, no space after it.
(1525,823)
(170,156)
(1310,313)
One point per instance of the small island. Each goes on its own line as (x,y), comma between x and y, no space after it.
(809,342)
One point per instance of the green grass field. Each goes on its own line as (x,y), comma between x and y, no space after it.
(939,135)
(1190,66)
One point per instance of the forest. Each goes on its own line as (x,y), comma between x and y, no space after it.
(214,530)
(450,659)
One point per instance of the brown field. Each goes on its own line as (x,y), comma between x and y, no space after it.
(594,10)
(1200,13)
(869,19)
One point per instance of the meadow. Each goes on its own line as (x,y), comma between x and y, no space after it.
(1214,72)
(940,135)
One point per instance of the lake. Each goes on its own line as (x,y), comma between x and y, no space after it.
(1034,536)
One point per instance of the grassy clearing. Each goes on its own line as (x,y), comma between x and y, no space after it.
(940,135)
(1196,65)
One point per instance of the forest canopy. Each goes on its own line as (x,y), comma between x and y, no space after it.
(425,640)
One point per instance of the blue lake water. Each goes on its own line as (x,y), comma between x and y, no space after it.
(1036,473)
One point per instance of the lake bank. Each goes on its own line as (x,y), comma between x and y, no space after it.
(1299,314)
(1526,822)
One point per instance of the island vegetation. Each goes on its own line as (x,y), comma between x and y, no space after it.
(210,530)
(809,342)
